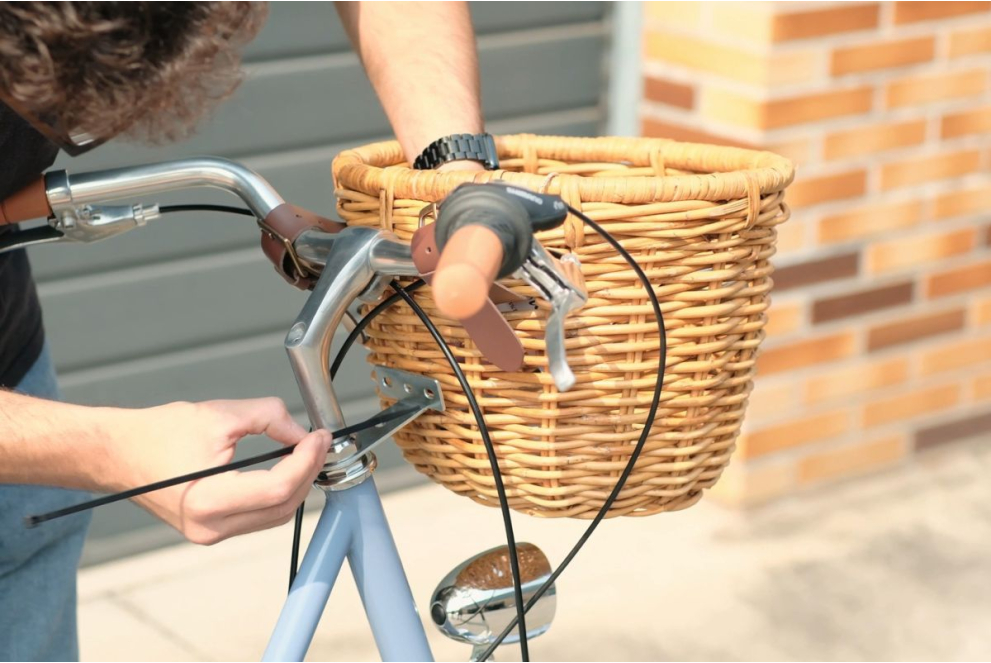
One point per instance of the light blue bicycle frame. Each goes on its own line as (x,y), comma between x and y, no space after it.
(352,523)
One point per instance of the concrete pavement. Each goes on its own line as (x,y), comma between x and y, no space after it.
(897,566)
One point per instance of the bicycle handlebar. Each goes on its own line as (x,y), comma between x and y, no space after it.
(483,232)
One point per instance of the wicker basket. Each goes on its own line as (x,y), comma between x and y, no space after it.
(699,219)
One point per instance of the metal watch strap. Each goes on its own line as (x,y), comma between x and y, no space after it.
(458,147)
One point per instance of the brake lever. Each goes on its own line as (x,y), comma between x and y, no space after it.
(30,237)
(92,223)
(542,274)
(82,224)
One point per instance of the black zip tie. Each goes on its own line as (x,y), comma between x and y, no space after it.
(32,521)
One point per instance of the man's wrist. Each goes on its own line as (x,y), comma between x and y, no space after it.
(109,431)
(463,165)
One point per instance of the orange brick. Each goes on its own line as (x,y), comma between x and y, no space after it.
(817,270)
(795,433)
(822,22)
(929,88)
(682,14)
(982,311)
(793,67)
(811,191)
(913,251)
(744,20)
(913,12)
(885,55)
(784,319)
(655,128)
(970,42)
(667,92)
(961,279)
(856,379)
(874,138)
(706,55)
(791,237)
(956,355)
(732,108)
(797,149)
(977,121)
(909,330)
(911,405)
(771,401)
(910,172)
(869,220)
(743,111)
(806,353)
(959,203)
(982,387)
(852,460)
(814,107)
(746,484)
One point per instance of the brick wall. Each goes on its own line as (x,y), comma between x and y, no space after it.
(879,339)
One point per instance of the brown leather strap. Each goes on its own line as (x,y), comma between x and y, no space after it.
(280,229)
(487,328)
(31,202)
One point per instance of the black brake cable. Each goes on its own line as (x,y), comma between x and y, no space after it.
(334,367)
(483,430)
(229,209)
(652,412)
(624,476)
(371,422)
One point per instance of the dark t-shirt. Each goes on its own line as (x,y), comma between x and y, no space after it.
(24,154)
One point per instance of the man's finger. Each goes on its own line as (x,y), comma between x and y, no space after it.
(267,416)
(239,492)
(273,516)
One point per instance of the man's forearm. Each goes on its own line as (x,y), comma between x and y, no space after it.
(113,449)
(422,62)
(46,442)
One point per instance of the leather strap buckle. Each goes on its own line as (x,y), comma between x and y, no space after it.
(290,249)
(280,229)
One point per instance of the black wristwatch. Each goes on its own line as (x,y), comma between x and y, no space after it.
(459,147)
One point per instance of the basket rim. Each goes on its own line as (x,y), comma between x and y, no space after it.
(735,172)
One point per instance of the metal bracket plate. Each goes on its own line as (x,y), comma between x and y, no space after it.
(393,383)
(414,393)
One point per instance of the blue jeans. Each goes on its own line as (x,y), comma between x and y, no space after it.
(38,566)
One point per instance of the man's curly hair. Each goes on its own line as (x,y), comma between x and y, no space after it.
(147,69)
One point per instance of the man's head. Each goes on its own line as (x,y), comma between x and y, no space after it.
(148,69)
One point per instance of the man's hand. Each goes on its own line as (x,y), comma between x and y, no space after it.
(178,438)
(110,450)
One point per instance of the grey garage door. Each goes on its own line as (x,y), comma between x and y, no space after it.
(187,308)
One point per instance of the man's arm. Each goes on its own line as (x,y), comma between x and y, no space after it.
(112,449)
(422,62)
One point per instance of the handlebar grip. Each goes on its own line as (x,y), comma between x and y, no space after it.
(31,202)
(466,271)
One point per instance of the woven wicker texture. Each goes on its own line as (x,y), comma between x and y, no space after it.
(699,219)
